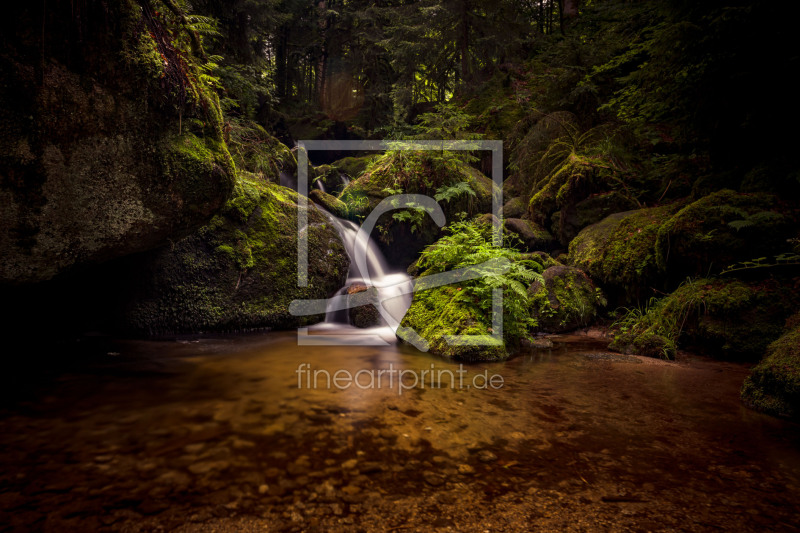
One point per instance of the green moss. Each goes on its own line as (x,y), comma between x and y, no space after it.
(329,203)
(258,152)
(774,384)
(353,167)
(240,270)
(620,250)
(437,313)
(560,188)
(725,318)
(718,230)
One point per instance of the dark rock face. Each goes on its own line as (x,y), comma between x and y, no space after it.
(240,270)
(97,159)
(572,219)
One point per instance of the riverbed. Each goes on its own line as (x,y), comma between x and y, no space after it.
(230,433)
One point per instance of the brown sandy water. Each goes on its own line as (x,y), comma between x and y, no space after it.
(213,434)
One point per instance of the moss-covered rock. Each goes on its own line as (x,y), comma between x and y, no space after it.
(619,251)
(533,236)
(647,343)
(402,234)
(565,185)
(438,313)
(255,150)
(240,270)
(353,167)
(536,132)
(725,318)
(566,300)
(774,384)
(330,203)
(98,156)
(721,229)
(573,218)
(514,208)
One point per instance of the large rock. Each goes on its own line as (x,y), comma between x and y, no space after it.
(403,233)
(719,230)
(363,316)
(436,314)
(725,318)
(533,236)
(774,384)
(619,251)
(240,270)
(573,218)
(98,156)
(566,300)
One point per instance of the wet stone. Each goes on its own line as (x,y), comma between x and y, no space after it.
(485,456)
(432,479)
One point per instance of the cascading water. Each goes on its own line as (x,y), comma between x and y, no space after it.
(393,287)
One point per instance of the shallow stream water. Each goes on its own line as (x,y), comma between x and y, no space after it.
(223,434)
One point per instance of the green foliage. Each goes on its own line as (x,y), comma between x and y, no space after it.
(469,243)
(729,318)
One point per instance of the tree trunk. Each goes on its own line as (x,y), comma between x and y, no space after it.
(322,60)
(281,55)
(569,9)
(464,41)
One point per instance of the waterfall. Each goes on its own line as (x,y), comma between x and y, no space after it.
(393,287)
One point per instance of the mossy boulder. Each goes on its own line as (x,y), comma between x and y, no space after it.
(533,236)
(535,133)
(353,167)
(565,301)
(438,313)
(401,234)
(240,270)
(514,208)
(620,250)
(573,218)
(647,343)
(330,203)
(564,186)
(774,384)
(726,318)
(98,157)
(720,229)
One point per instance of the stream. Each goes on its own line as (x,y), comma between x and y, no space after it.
(336,428)
(223,434)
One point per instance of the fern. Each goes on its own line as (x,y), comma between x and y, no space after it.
(469,243)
